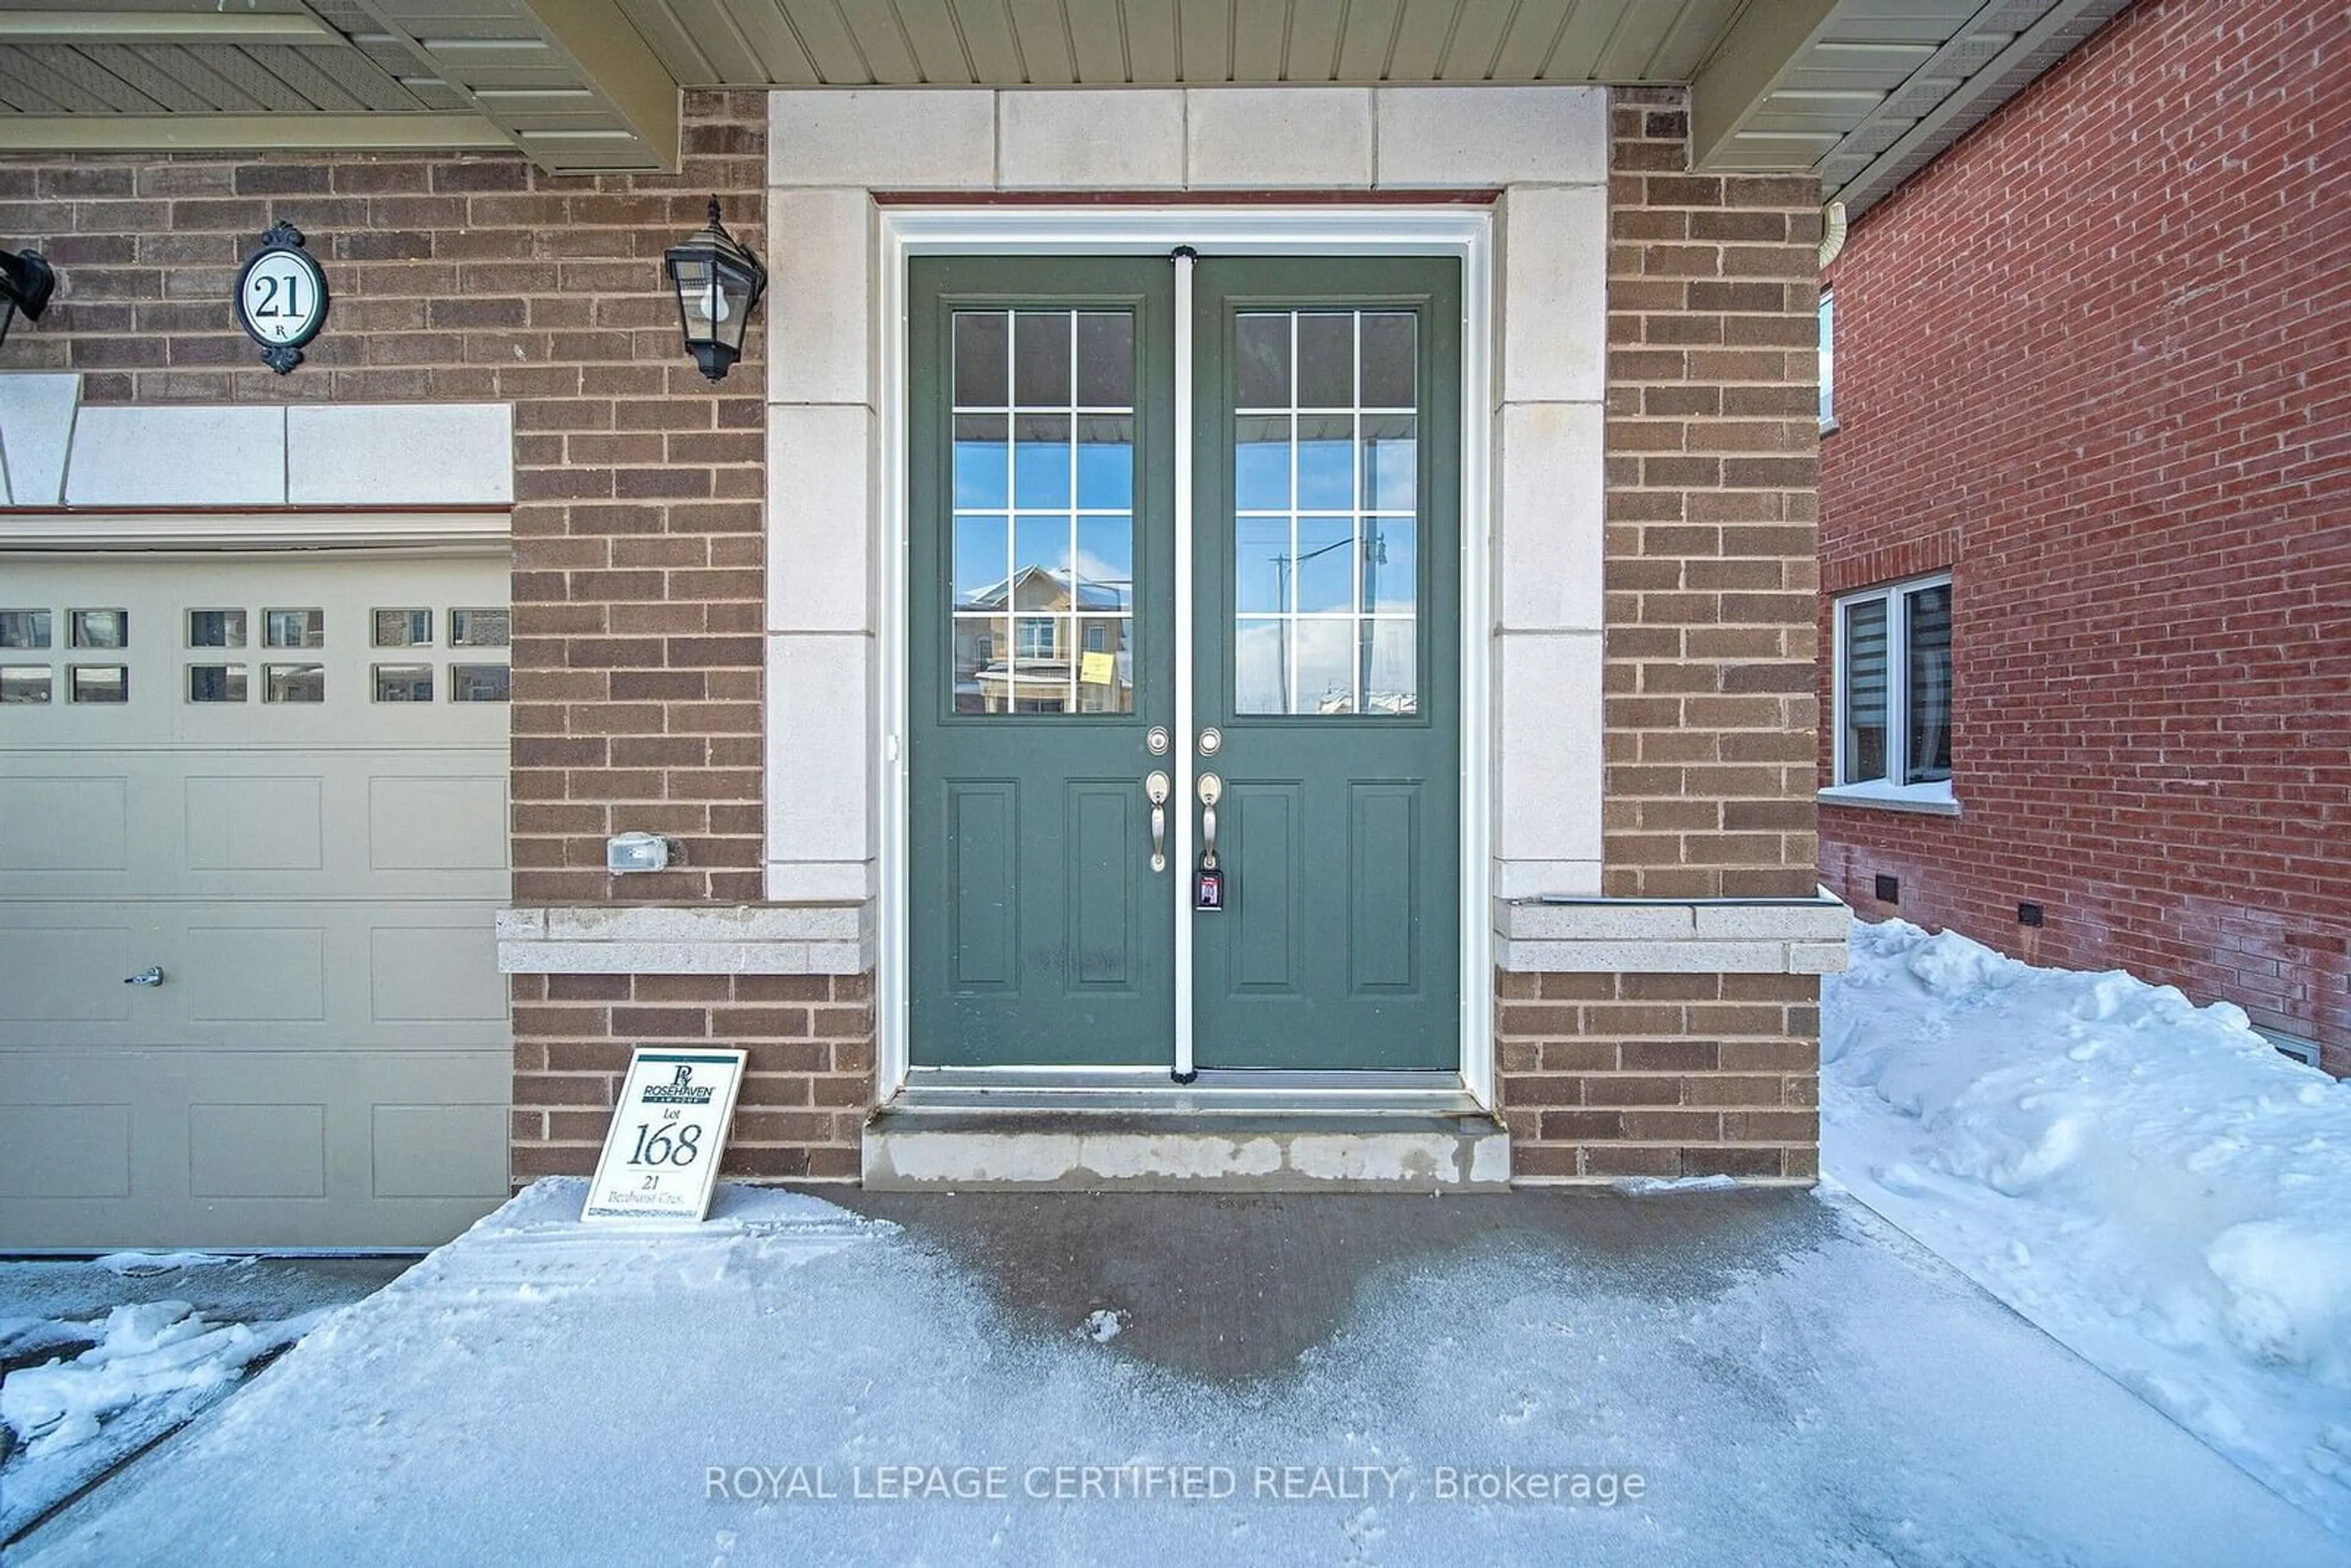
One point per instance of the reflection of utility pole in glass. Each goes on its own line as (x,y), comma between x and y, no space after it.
(1375,556)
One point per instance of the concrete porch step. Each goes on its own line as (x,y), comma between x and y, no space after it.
(1060,1149)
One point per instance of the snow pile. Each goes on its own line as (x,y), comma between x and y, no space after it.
(2149,1181)
(149,1367)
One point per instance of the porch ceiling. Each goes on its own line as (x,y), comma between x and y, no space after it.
(1862,92)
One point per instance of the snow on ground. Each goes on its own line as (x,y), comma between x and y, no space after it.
(794,1382)
(148,1368)
(101,1358)
(2150,1182)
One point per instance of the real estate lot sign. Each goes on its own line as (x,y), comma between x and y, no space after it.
(669,1128)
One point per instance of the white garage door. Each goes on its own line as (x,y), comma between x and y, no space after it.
(279,781)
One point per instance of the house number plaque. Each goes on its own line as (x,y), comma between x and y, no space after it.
(281,298)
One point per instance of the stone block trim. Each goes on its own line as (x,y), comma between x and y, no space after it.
(1712,441)
(1604,1077)
(637,487)
(804,1097)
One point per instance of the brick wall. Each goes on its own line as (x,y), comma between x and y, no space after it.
(1607,1076)
(638,545)
(1712,592)
(638,583)
(2093,361)
(808,1083)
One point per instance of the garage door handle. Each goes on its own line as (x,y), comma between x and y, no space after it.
(152,975)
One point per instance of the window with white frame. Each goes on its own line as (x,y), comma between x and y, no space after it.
(1828,359)
(1893,685)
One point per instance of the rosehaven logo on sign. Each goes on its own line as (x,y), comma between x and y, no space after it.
(661,1157)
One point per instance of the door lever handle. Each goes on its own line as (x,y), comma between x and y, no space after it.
(152,975)
(1212,790)
(1156,788)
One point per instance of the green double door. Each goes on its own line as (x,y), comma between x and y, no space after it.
(1106,667)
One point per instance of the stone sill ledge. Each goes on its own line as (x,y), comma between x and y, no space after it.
(1641,936)
(1917,805)
(689,940)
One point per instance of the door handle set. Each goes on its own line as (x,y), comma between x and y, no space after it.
(1156,788)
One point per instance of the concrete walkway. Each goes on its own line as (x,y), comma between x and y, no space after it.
(1787,1380)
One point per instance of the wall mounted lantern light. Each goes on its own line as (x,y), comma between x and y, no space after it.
(718,282)
(25,279)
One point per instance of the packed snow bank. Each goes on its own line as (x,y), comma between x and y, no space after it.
(2149,1181)
(153,1366)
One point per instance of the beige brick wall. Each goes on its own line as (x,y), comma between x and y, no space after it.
(1712,573)
(1712,579)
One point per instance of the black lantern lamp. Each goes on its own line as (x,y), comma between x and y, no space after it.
(26,280)
(717,284)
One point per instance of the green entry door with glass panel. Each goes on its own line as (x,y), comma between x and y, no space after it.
(1118,682)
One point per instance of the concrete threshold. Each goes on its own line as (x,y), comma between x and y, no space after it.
(1062,1149)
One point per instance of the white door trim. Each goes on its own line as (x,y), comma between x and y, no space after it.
(1464,231)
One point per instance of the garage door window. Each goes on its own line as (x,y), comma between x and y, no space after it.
(216,683)
(296,629)
(293,683)
(98,684)
(24,683)
(101,628)
(215,628)
(24,628)
(404,683)
(478,683)
(404,628)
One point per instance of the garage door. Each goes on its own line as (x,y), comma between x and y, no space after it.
(252,833)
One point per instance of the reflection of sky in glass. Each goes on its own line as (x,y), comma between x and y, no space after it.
(1326,564)
(1260,565)
(980,474)
(1326,666)
(1391,467)
(1326,476)
(1041,466)
(1041,542)
(978,555)
(1106,468)
(1262,465)
(1260,657)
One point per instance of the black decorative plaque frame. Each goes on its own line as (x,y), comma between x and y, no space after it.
(282,237)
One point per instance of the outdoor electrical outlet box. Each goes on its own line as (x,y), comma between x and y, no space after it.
(626,852)
(1889,890)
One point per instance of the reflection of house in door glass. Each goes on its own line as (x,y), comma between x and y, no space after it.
(1044,642)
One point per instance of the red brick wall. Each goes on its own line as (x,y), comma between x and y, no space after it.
(804,1088)
(2094,361)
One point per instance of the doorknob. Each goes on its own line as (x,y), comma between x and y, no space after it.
(152,975)
(1212,790)
(1156,788)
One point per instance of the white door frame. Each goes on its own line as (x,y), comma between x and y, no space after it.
(1459,230)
